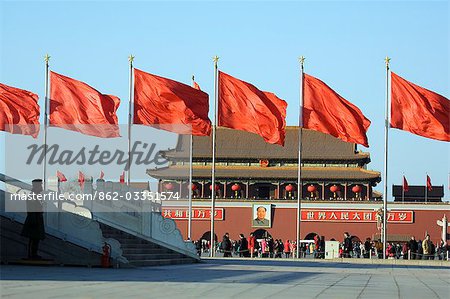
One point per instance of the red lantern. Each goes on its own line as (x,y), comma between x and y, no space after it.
(356,189)
(236,187)
(289,188)
(194,187)
(334,188)
(216,187)
(169,186)
(312,189)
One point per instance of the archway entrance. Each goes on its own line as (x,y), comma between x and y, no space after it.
(310,236)
(261,233)
(207,236)
(356,239)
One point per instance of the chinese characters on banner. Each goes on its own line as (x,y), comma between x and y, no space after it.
(197,214)
(355,216)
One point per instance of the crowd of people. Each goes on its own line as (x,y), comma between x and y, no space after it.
(268,247)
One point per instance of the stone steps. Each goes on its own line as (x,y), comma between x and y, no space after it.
(140,252)
(137,250)
(152,256)
(161,262)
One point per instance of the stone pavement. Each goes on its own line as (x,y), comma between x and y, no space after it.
(230,278)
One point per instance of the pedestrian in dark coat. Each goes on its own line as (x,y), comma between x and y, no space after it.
(413,247)
(33,228)
(321,248)
(243,246)
(348,247)
(226,245)
(367,248)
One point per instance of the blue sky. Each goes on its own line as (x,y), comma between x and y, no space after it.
(260,42)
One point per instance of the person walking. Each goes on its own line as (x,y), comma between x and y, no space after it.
(367,248)
(287,249)
(226,245)
(348,248)
(426,247)
(33,228)
(243,246)
(413,247)
(251,244)
(321,248)
(264,248)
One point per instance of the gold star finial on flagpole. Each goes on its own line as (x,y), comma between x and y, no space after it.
(47,58)
(131,58)
(216,59)
(193,78)
(387,60)
(302,59)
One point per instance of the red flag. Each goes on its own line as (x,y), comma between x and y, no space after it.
(61,176)
(419,110)
(405,185)
(81,179)
(168,104)
(429,186)
(326,111)
(19,111)
(122,178)
(244,107)
(76,106)
(101,175)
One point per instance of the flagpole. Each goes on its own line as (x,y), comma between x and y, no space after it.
(403,188)
(44,169)
(299,175)
(385,176)
(213,168)
(426,187)
(130,107)
(191,141)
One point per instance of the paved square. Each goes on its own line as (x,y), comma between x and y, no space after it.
(220,278)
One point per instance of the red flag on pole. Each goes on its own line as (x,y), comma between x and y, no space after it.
(122,178)
(429,186)
(101,175)
(61,176)
(76,106)
(81,179)
(419,110)
(165,103)
(405,185)
(244,107)
(326,111)
(19,111)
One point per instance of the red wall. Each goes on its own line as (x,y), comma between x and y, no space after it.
(238,220)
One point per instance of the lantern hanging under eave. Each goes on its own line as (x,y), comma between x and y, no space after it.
(236,187)
(289,188)
(356,189)
(194,187)
(168,186)
(312,189)
(334,189)
(215,188)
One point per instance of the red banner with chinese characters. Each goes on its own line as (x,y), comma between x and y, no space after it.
(355,216)
(197,214)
